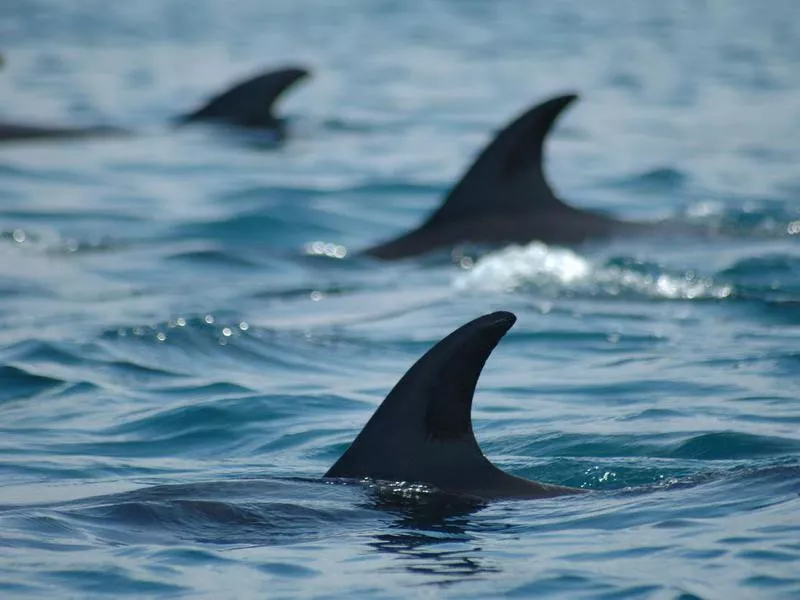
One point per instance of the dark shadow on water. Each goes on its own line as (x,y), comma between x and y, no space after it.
(408,521)
(427,531)
(430,532)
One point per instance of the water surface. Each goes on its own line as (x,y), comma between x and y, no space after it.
(188,338)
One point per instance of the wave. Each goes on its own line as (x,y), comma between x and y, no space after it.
(662,180)
(19,384)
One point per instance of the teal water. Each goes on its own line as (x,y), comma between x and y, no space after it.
(181,358)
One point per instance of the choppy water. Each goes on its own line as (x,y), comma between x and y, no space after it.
(177,369)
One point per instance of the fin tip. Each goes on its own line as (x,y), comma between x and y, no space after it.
(501,319)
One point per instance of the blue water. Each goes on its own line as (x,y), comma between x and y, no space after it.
(181,358)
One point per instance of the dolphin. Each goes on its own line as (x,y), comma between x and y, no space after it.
(247,104)
(422,431)
(505,198)
(13,132)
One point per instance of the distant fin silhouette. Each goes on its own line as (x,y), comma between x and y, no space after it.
(249,103)
(507,180)
(422,432)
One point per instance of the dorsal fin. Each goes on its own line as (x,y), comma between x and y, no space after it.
(508,176)
(250,103)
(423,429)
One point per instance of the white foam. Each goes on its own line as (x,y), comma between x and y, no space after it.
(515,265)
(540,265)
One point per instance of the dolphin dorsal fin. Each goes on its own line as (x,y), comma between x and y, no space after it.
(423,429)
(508,175)
(249,103)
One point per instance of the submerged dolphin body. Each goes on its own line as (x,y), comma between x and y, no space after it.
(422,432)
(12,132)
(505,198)
(247,104)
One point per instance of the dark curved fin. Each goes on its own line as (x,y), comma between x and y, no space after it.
(423,429)
(508,176)
(249,104)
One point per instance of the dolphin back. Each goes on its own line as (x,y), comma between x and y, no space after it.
(508,175)
(10,132)
(422,432)
(249,103)
(505,183)
(423,429)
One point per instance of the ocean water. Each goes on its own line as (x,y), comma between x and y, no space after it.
(189,338)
